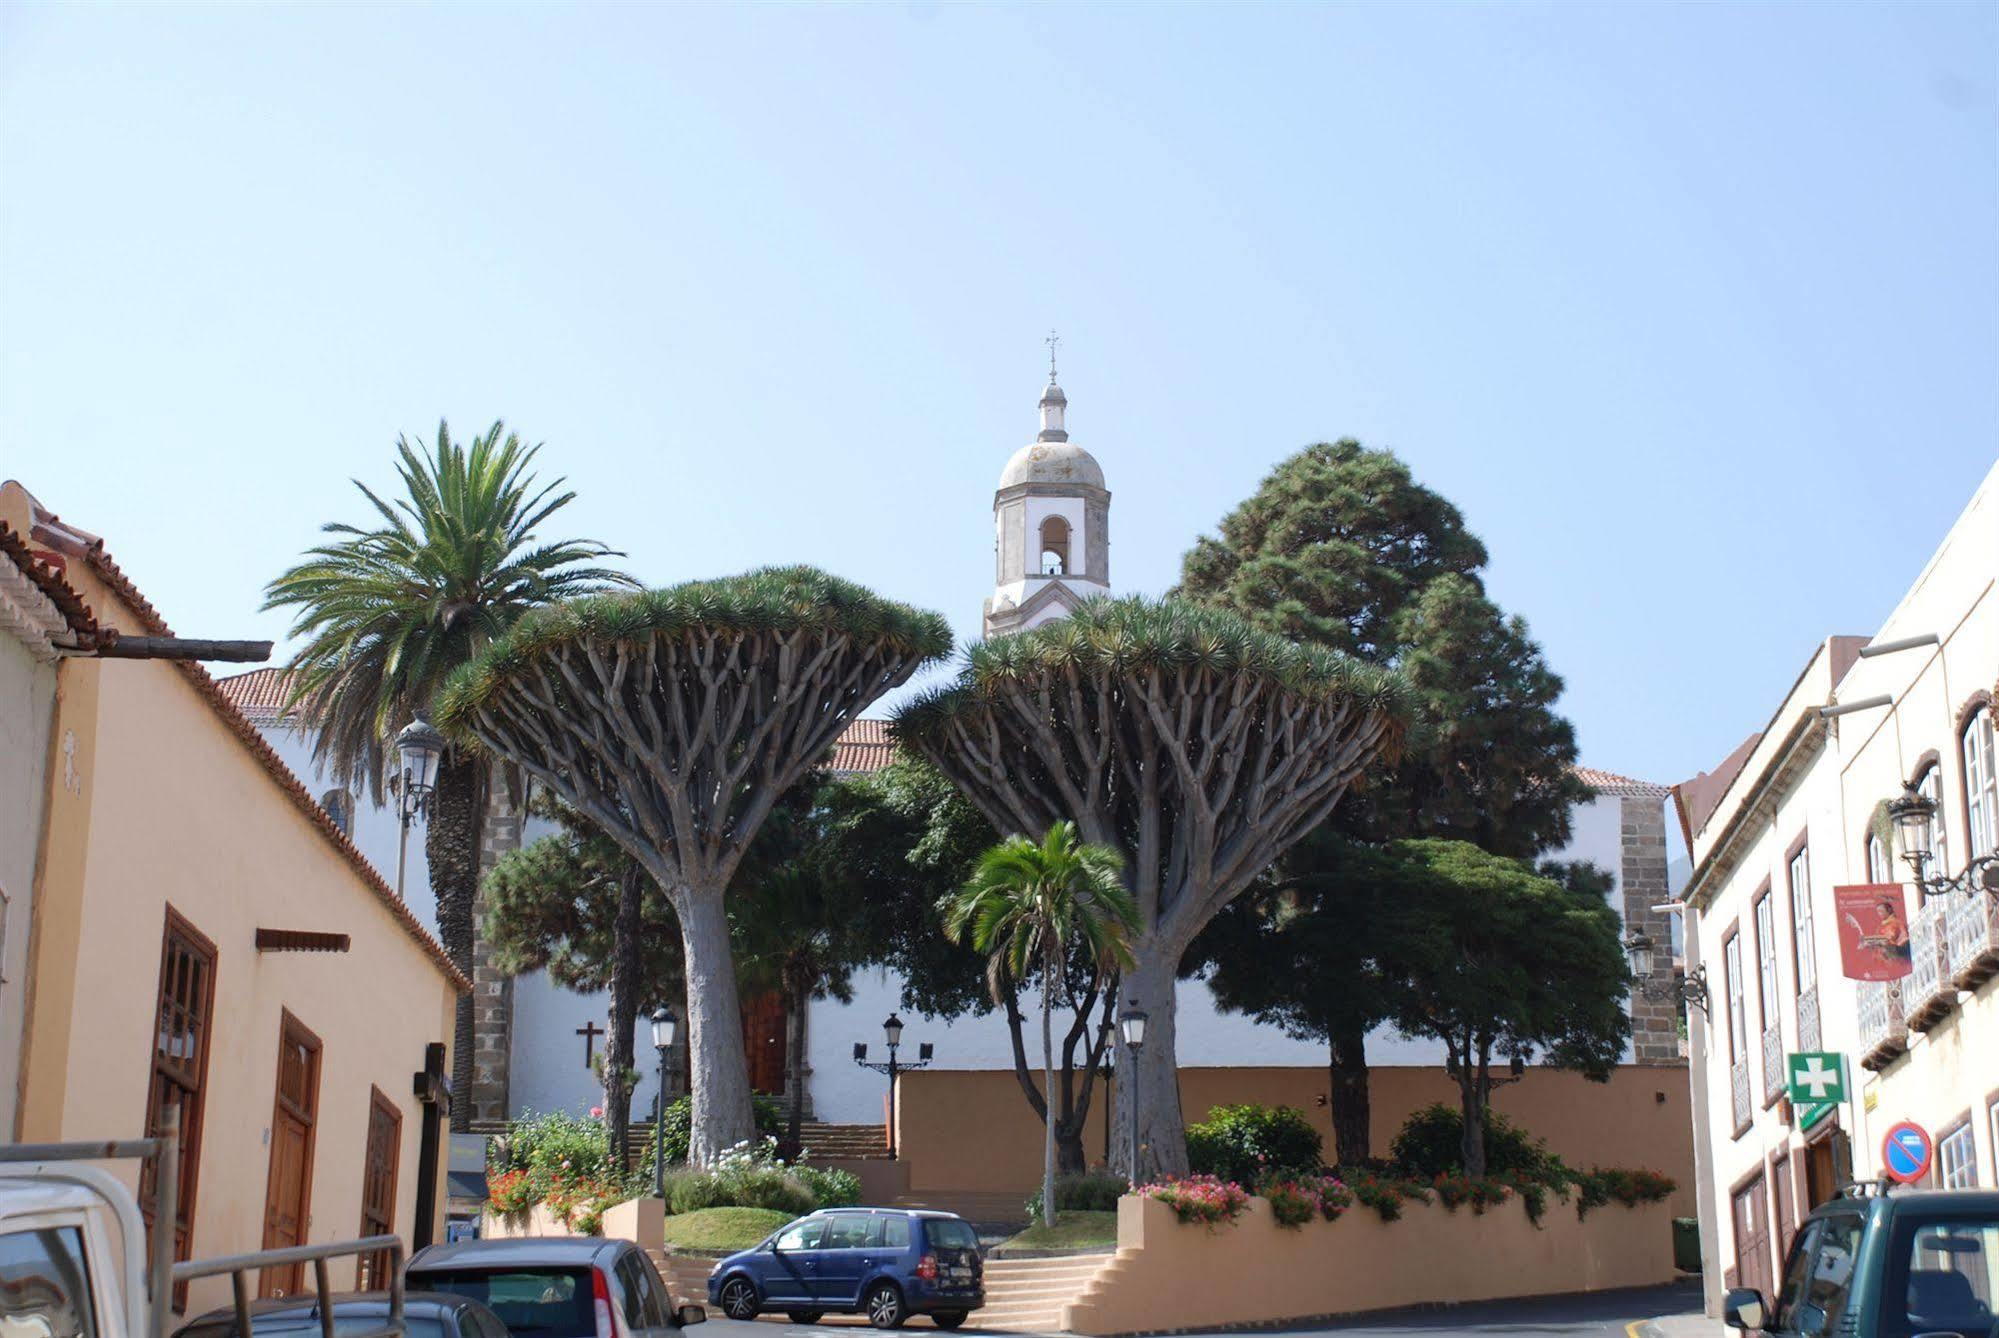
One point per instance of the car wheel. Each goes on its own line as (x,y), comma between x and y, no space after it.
(805,1316)
(739,1298)
(949,1319)
(884,1306)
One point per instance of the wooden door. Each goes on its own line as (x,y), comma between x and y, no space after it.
(378,1187)
(294,1115)
(1752,1238)
(1821,1174)
(1787,1216)
(763,1042)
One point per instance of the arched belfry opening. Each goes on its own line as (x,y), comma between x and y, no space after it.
(1054,546)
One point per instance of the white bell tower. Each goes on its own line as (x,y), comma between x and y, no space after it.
(1051,520)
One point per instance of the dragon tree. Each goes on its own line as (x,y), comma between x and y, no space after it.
(673,720)
(1196,745)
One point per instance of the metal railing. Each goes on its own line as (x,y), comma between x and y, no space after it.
(148,1286)
(1971,929)
(1880,1010)
(1773,1064)
(1738,1077)
(1809,1031)
(1926,958)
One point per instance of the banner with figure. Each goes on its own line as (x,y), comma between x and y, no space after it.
(1873,931)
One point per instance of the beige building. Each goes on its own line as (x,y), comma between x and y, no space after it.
(201,934)
(1798,811)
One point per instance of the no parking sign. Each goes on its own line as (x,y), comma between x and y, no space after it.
(1905,1152)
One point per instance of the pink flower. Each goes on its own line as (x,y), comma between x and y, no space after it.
(596,1112)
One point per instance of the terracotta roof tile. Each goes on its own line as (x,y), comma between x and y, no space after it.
(863,746)
(1609,782)
(44,572)
(259,694)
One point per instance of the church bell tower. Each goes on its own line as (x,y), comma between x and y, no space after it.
(1051,521)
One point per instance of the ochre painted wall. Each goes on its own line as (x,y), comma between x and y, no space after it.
(1170,1276)
(973,1130)
(155,802)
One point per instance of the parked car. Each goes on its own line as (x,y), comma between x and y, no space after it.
(557,1287)
(1871,1264)
(425,1315)
(881,1262)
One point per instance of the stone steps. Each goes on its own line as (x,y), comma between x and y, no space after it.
(826,1141)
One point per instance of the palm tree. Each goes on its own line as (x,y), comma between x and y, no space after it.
(1028,907)
(388,613)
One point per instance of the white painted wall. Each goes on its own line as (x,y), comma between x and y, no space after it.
(376,830)
(1071,509)
(27,699)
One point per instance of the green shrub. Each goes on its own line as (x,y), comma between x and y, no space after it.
(1430,1144)
(1082,1193)
(560,1146)
(829,1188)
(678,1131)
(1382,1193)
(1251,1143)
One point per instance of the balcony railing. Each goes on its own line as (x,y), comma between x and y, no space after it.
(1883,1033)
(1971,938)
(1773,1065)
(1928,993)
(1808,1019)
(1738,1077)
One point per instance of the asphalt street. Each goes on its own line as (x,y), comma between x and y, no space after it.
(1650,1312)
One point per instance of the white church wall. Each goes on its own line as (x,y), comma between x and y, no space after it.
(1071,509)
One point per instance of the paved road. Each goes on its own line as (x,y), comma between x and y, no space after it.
(1625,1314)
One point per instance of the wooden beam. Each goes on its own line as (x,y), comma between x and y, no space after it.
(120,647)
(300,940)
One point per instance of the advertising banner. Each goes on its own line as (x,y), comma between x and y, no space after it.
(1873,931)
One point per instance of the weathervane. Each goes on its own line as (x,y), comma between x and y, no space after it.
(1052,340)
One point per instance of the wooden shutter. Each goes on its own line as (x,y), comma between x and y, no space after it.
(182,1019)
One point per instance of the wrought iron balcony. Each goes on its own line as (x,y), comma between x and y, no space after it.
(1971,938)
(1809,1033)
(1738,1077)
(1883,1032)
(1928,993)
(1773,1065)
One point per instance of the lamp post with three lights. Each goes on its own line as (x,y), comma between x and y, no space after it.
(418,748)
(664,1027)
(892,1033)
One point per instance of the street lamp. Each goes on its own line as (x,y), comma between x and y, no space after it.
(1914,815)
(1131,1022)
(1689,990)
(664,1027)
(892,1033)
(418,749)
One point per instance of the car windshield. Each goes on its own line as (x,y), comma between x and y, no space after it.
(1954,1275)
(948,1233)
(555,1302)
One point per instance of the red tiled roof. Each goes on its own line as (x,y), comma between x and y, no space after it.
(1609,782)
(46,576)
(863,746)
(259,694)
(101,562)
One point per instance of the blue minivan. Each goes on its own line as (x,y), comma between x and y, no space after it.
(881,1262)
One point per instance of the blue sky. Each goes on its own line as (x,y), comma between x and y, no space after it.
(1694,310)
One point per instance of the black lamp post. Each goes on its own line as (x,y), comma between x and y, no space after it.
(1131,1022)
(1915,817)
(892,1033)
(418,748)
(1690,990)
(664,1026)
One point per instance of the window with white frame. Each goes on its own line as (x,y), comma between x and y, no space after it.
(1801,918)
(1738,1019)
(1981,783)
(1877,861)
(1766,959)
(1957,1159)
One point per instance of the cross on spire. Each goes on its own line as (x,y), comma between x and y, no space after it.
(1052,340)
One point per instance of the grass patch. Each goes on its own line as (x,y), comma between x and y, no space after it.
(1074,1229)
(723,1228)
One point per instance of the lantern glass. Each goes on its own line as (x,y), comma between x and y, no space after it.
(1638,951)
(892,1030)
(1914,816)
(1132,1023)
(420,746)
(665,1026)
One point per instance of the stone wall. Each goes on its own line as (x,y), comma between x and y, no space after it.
(1169,1276)
(1655,1034)
(492,989)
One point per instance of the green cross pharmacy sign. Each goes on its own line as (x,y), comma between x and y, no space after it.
(1815,1080)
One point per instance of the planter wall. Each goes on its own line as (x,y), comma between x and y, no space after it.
(640,1220)
(1167,1275)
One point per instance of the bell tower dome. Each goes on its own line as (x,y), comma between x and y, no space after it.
(1051,520)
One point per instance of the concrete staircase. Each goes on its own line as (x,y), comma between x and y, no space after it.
(858,1142)
(1027,1295)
